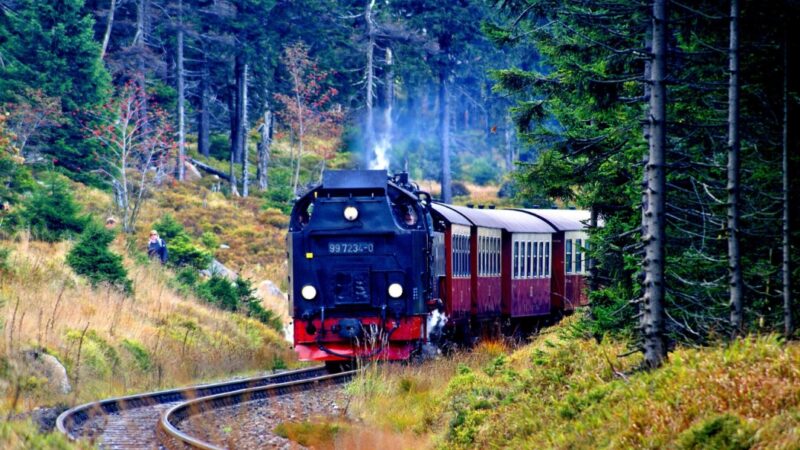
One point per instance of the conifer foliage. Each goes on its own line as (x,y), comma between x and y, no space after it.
(91,257)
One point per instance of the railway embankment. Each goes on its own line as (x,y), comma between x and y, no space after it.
(161,334)
(566,390)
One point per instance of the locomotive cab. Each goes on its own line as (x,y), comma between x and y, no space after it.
(359,252)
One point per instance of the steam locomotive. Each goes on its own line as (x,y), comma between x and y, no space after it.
(377,269)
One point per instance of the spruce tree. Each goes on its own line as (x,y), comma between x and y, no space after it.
(92,258)
(50,46)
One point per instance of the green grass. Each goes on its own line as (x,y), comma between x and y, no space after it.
(563,391)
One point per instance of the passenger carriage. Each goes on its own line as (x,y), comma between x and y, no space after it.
(570,266)
(485,246)
(455,287)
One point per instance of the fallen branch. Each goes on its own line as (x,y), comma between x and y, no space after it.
(205,167)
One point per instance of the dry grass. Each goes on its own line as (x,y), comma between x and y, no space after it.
(479,195)
(153,339)
(568,392)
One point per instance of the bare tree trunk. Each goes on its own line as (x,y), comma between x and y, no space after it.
(180,168)
(508,136)
(369,126)
(444,123)
(139,43)
(244,127)
(788,320)
(236,124)
(388,97)
(203,130)
(262,176)
(734,256)
(652,319)
(301,130)
(109,25)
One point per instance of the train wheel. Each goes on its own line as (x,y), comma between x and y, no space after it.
(339,366)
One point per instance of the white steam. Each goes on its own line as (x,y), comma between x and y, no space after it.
(379,158)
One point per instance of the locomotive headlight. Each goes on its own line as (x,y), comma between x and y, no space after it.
(395,290)
(351,213)
(308,292)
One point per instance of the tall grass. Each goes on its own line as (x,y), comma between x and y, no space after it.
(563,391)
(153,339)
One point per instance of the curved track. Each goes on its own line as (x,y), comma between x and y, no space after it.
(191,411)
(130,421)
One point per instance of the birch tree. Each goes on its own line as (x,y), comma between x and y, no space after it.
(135,147)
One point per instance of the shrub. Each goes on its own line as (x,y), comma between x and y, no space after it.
(722,432)
(52,213)
(91,258)
(4,254)
(231,296)
(182,251)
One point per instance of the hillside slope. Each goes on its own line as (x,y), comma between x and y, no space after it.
(566,391)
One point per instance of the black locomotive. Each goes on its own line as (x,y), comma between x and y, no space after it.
(360,249)
(378,270)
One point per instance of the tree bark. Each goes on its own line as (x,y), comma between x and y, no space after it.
(508,137)
(653,313)
(444,123)
(203,130)
(109,25)
(264,145)
(388,98)
(139,43)
(236,123)
(786,269)
(244,127)
(369,126)
(180,168)
(734,256)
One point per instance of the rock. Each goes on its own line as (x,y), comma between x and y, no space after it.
(50,368)
(192,173)
(224,246)
(217,268)
(271,288)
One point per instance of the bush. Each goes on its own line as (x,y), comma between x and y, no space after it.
(722,432)
(52,214)
(182,251)
(91,258)
(4,254)
(231,296)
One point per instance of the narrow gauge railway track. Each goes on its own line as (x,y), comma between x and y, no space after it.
(174,438)
(130,421)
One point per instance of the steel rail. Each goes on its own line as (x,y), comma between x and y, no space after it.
(173,438)
(73,418)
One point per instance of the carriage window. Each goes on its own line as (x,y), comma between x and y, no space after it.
(516,259)
(547,259)
(497,254)
(578,256)
(541,259)
(484,256)
(568,258)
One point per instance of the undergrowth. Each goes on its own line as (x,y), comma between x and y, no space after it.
(568,391)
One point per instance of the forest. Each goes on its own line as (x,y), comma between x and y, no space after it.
(671,121)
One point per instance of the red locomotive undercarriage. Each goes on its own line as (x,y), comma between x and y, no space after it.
(403,335)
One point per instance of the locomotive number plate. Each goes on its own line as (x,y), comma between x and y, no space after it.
(351,247)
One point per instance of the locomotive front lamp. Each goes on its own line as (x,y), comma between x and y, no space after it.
(395,290)
(308,292)
(351,213)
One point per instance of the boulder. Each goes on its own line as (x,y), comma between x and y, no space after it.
(217,268)
(49,367)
